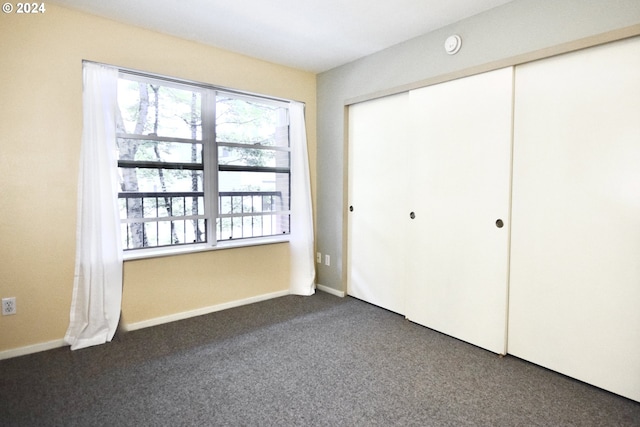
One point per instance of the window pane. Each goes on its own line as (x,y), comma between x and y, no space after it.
(252,157)
(157,180)
(177,206)
(243,121)
(248,181)
(159,151)
(250,202)
(160,206)
(273,185)
(242,227)
(194,205)
(163,233)
(157,109)
(150,207)
(164,206)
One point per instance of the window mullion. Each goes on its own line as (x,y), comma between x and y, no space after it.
(210,155)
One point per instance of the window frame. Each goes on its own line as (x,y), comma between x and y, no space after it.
(221,168)
(211,167)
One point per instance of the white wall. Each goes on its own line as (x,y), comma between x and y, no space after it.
(514,33)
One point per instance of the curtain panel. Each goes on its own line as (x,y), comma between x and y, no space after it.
(97,288)
(301,238)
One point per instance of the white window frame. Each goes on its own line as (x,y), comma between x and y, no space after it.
(210,171)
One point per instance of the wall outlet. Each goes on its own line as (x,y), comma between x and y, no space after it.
(8,306)
(327,260)
(319,258)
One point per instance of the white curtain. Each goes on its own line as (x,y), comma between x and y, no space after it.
(301,238)
(97,288)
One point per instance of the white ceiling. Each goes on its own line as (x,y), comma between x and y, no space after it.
(313,35)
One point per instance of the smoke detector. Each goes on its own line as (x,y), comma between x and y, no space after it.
(452,44)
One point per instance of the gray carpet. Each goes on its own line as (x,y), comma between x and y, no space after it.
(303,361)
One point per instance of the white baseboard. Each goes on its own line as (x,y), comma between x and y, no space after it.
(331,291)
(50,345)
(200,311)
(29,349)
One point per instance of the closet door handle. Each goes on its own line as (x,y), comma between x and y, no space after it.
(350,208)
(412,215)
(499,223)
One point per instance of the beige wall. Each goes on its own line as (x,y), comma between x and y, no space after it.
(40,127)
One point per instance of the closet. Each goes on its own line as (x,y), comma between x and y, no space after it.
(459,185)
(376,229)
(503,209)
(574,301)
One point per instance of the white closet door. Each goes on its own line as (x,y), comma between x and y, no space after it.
(575,264)
(459,187)
(378,149)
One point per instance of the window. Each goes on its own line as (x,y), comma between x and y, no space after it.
(199,165)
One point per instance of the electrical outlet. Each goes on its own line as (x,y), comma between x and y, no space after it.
(318,257)
(327,260)
(8,306)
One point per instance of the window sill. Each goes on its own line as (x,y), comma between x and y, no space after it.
(189,249)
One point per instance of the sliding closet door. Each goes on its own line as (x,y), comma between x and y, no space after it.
(459,193)
(378,149)
(575,264)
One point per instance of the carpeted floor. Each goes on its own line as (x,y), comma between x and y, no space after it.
(303,361)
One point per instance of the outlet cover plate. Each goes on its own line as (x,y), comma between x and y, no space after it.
(8,306)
